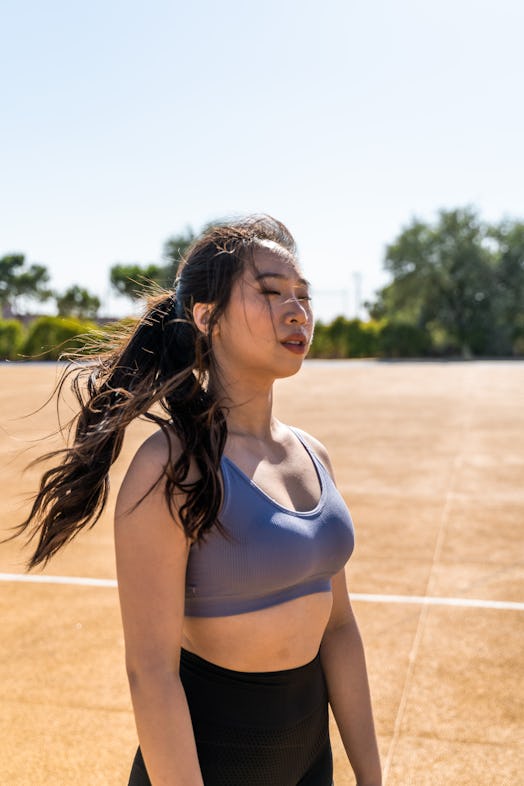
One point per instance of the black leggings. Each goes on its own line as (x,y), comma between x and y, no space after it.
(255,728)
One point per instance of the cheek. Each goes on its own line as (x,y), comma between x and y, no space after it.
(249,317)
(258,312)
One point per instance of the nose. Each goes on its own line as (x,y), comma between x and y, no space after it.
(296,312)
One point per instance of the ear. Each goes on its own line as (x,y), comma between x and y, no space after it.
(202,315)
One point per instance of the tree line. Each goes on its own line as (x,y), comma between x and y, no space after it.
(457,288)
(20,283)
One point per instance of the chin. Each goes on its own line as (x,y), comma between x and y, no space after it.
(291,369)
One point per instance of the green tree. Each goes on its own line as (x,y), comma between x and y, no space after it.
(174,250)
(77,302)
(20,281)
(509,235)
(444,280)
(133,280)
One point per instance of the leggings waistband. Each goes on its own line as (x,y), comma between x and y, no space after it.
(284,676)
(267,698)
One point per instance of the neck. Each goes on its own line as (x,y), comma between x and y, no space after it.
(248,407)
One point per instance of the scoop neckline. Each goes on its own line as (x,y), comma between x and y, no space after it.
(269,498)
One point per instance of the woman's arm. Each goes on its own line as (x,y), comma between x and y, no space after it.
(344,664)
(151,556)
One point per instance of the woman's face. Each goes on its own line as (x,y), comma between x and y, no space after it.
(267,326)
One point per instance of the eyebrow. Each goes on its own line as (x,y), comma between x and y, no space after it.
(302,281)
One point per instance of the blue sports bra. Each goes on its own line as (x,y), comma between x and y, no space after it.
(270,554)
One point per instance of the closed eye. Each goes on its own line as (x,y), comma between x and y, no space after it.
(274,292)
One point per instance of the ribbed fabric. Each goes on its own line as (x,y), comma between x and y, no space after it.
(256,728)
(272,554)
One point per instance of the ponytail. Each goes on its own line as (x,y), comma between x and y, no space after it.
(152,365)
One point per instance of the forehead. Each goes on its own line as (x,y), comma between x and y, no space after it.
(269,259)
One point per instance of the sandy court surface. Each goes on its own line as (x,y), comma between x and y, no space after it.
(430,458)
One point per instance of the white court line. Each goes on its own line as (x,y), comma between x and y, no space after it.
(414,599)
(79,580)
(427,600)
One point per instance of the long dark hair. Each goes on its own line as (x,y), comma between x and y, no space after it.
(164,360)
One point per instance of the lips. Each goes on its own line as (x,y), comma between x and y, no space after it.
(296,343)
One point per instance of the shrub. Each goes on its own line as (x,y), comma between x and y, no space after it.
(345,338)
(518,346)
(322,346)
(49,337)
(362,338)
(402,340)
(11,338)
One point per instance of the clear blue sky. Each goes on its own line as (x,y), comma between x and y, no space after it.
(123,122)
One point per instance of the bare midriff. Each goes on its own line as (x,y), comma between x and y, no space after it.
(280,637)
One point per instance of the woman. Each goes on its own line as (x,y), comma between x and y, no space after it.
(230,536)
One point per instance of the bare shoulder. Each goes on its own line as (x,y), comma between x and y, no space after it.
(154,452)
(319,449)
(147,467)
